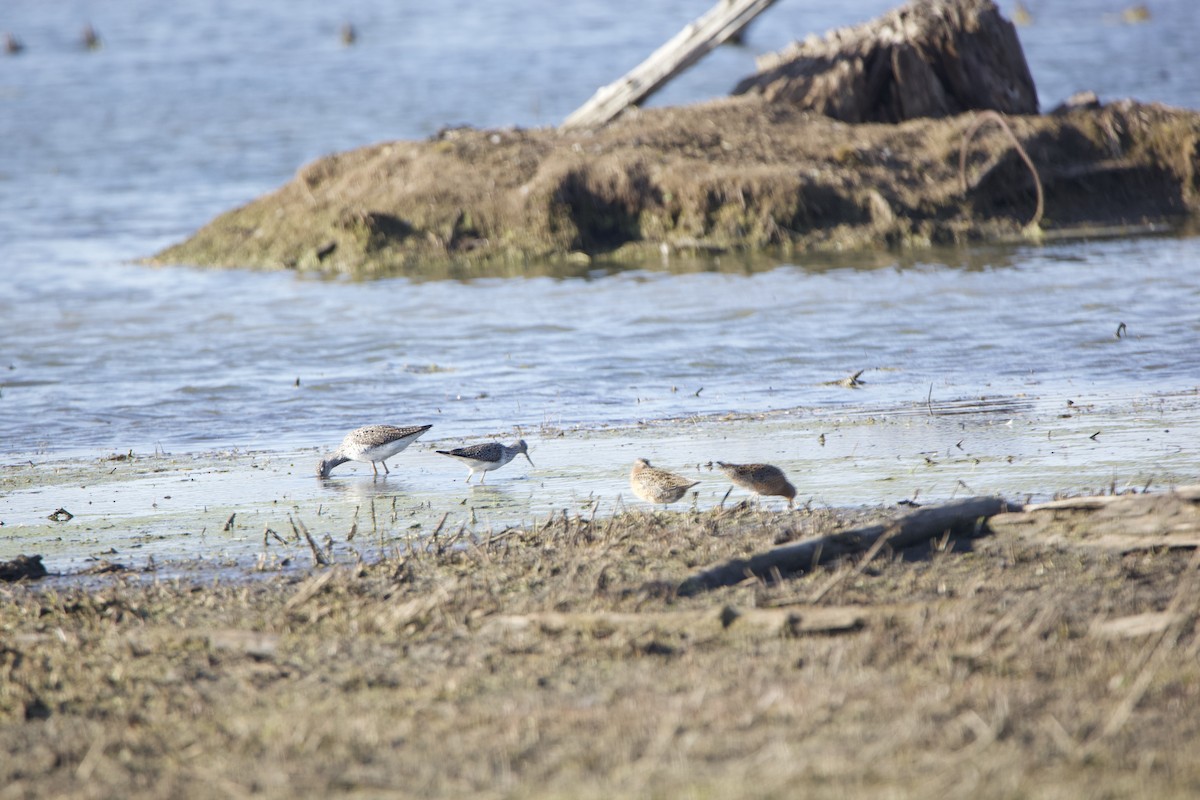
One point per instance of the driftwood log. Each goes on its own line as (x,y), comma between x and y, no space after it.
(722,22)
(1123,523)
(959,518)
(930,58)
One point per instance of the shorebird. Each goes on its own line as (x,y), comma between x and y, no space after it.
(763,479)
(373,443)
(12,45)
(656,485)
(486,457)
(89,38)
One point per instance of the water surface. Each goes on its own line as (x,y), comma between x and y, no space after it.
(985,370)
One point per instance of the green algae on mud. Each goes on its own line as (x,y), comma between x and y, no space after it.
(556,661)
(737,174)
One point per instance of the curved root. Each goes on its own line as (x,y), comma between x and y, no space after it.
(981,118)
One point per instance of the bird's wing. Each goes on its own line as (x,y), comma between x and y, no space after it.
(480,452)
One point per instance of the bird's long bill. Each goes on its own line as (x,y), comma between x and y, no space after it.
(527,458)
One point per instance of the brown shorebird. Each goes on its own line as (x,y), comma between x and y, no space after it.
(371,444)
(762,479)
(656,485)
(484,458)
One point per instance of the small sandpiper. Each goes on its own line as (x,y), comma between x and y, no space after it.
(656,485)
(484,458)
(372,444)
(762,479)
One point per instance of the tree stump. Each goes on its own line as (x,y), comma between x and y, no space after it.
(930,58)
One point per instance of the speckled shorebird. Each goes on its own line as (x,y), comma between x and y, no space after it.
(763,479)
(371,444)
(656,485)
(484,458)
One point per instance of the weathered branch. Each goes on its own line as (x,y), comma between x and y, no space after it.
(687,47)
(1191,493)
(1123,523)
(963,517)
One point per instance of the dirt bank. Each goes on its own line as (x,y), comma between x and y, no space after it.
(733,174)
(558,661)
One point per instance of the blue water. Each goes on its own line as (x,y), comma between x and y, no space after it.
(190,108)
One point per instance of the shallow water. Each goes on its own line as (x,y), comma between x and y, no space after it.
(176,360)
(985,370)
(153,510)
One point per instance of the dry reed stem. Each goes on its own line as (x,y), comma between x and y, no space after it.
(300,528)
(841,575)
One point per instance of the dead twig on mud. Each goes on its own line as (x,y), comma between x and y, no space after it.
(269,534)
(299,527)
(308,590)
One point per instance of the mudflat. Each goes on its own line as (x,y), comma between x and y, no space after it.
(561,660)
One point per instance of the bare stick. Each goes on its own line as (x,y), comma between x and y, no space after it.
(687,47)
(267,532)
(300,528)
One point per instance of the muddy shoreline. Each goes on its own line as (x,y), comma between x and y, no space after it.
(210,511)
(736,174)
